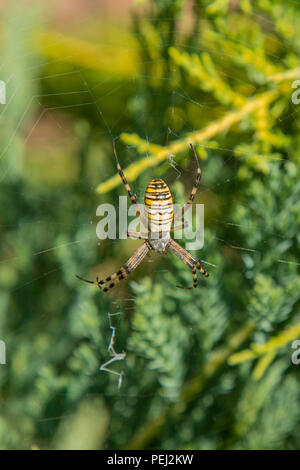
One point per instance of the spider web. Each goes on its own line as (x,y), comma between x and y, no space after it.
(86,96)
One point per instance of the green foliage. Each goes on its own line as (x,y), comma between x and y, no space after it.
(221,78)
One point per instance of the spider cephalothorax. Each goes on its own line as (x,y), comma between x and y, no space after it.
(160,220)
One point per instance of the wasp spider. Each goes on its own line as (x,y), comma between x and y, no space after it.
(159,208)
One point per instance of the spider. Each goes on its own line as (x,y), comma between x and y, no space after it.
(159,208)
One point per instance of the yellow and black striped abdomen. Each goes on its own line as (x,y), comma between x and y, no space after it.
(159,206)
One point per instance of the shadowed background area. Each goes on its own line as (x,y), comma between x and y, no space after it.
(209,368)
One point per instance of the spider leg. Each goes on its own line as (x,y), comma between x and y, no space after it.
(85,280)
(195,280)
(179,227)
(98,282)
(139,235)
(127,268)
(127,186)
(195,187)
(189,260)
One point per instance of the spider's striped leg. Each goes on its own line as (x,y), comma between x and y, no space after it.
(188,263)
(101,282)
(195,279)
(179,227)
(126,269)
(198,264)
(139,235)
(127,187)
(195,187)
(188,259)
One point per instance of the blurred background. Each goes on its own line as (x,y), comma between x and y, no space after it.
(210,368)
